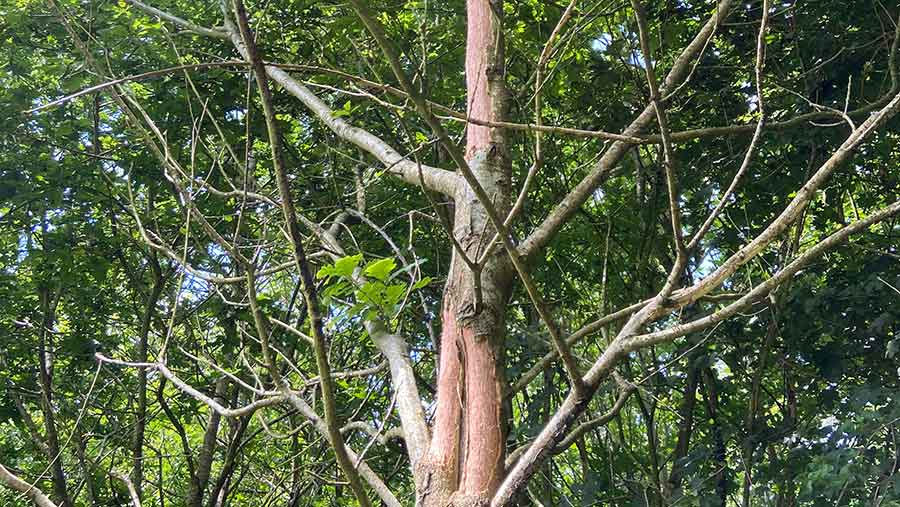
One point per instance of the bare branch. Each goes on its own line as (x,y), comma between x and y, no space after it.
(132,491)
(374,481)
(365,372)
(382,437)
(602,170)
(596,422)
(668,153)
(183,23)
(593,327)
(757,133)
(296,332)
(307,282)
(796,206)
(764,288)
(272,399)
(577,336)
(36,496)
(437,180)
(627,340)
(582,428)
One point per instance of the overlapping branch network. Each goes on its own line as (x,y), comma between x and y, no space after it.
(562,430)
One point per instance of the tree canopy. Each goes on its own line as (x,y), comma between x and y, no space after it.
(472,252)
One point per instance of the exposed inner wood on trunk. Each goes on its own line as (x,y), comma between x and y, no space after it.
(468,442)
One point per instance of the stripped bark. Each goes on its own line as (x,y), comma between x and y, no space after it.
(465,463)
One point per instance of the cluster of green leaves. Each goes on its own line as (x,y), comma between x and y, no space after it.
(377,294)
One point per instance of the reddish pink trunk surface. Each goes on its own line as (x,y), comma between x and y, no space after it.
(479,46)
(483,430)
(445,444)
(464,465)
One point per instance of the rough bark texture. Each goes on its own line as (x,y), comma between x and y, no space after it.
(465,460)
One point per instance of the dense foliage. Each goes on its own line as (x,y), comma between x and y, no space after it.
(106,253)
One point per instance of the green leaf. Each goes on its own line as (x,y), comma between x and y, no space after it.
(342,268)
(421,283)
(381,269)
(393,294)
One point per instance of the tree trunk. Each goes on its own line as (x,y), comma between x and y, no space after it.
(204,460)
(60,491)
(140,423)
(465,460)
(685,428)
(720,453)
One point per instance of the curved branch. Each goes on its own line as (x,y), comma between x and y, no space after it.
(644,340)
(395,350)
(272,399)
(382,437)
(748,155)
(604,167)
(628,339)
(794,209)
(13,482)
(596,422)
(436,179)
(591,328)
(183,23)
(582,428)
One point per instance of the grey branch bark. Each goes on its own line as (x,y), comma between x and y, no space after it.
(308,285)
(395,350)
(12,481)
(132,489)
(409,404)
(374,481)
(629,339)
(602,170)
(183,23)
(435,179)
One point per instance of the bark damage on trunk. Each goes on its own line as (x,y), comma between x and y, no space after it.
(465,460)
